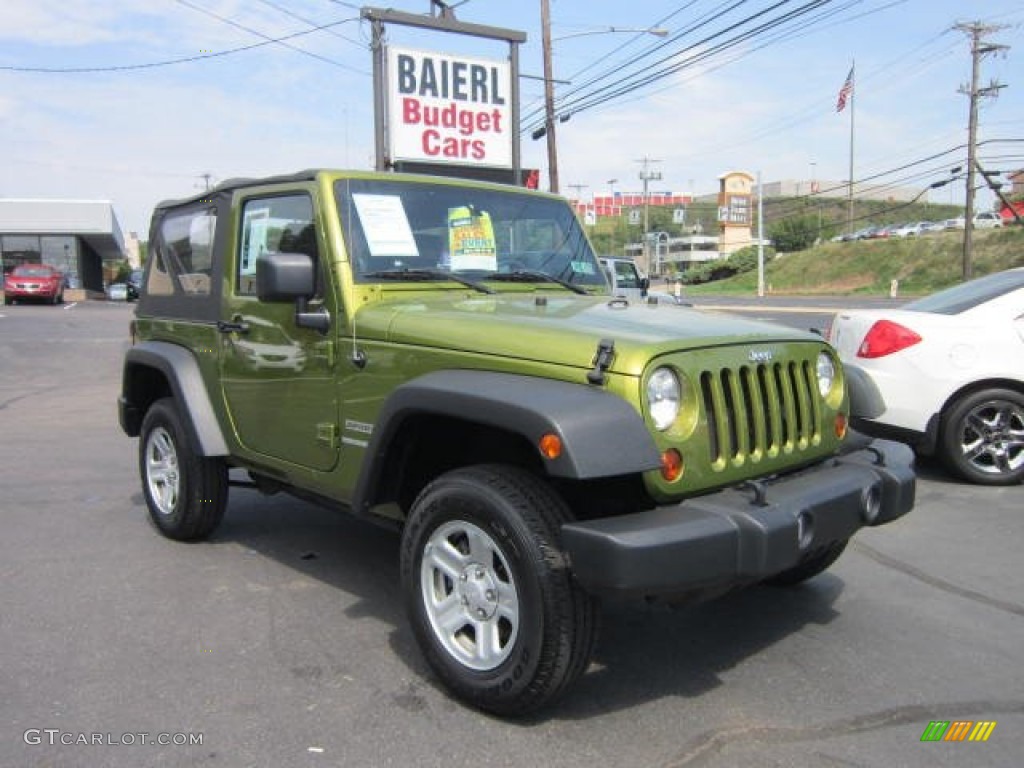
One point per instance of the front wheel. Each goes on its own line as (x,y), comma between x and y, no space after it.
(186,494)
(489,595)
(982,437)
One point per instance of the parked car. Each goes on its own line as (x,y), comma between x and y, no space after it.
(626,281)
(134,283)
(117,292)
(906,230)
(36,282)
(950,368)
(957,222)
(987,220)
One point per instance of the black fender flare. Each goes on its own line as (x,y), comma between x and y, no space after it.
(181,371)
(602,435)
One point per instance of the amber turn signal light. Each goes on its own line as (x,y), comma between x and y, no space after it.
(841,425)
(550,446)
(671,465)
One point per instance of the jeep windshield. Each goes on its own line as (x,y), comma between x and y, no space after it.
(423,230)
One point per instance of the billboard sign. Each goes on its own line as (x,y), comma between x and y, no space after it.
(446,108)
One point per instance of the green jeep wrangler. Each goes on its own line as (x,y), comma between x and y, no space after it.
(445,357)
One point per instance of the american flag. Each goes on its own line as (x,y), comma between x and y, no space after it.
(845,91)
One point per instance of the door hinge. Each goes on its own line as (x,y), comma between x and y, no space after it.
(326,350)
(327,434)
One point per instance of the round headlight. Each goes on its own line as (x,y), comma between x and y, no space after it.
(663,398)
(826,373)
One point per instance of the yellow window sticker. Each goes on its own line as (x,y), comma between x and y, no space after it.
(471,242)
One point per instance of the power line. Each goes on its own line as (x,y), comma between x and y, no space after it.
(304,20)
(631,83)
(182,60)
(252,31)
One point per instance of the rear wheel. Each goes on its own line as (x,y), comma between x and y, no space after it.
(489,596)
(186,494)
(982,437)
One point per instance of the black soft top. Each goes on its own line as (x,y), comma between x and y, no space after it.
(230,185)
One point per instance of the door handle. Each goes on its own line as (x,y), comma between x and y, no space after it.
(235,326)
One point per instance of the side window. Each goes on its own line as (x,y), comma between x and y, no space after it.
(185,253)
(274,224)
(626,273)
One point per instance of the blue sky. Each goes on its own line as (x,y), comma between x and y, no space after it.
(766,104)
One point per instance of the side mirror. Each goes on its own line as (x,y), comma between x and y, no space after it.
(283,277)
(645,285)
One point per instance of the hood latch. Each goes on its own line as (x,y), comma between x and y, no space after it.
(602,361)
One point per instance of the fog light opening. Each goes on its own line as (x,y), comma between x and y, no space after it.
(671,465)
(550,446)
(871,504)
(804,530)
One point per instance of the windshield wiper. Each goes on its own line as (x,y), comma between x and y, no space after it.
(529,275)
(427,274)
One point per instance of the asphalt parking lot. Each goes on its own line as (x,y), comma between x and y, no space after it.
(281,641)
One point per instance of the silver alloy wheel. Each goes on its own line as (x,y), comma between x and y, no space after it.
(992,437)
(162,476)
(469,595)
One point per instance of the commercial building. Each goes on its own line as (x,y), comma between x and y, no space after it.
(75,236)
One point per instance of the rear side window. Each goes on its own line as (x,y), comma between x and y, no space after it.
(965,296)
(184,254)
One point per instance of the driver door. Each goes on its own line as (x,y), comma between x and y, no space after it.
(277,378)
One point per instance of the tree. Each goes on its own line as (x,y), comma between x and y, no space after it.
(794,233)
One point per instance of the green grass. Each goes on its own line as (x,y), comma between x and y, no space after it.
(921,265)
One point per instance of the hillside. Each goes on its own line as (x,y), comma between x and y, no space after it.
(610,234)
(920,264)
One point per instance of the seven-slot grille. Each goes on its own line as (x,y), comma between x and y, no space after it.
(760,409)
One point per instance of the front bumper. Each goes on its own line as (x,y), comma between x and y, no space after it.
(745,534)
(38,292)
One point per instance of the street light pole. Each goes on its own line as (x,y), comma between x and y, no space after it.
(549,82)
(549,96)
(646,176)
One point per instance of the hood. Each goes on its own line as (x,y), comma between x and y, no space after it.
(560,329)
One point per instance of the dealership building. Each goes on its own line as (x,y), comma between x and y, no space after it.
(75,236)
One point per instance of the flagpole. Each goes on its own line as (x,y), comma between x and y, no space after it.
(853,102)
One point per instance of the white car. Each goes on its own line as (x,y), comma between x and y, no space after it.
(987,220)
(950,368)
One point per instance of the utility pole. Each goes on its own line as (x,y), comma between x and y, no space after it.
(647,175)
(979,48)
(611,211)
(579,189)
(206,180)
(549,96)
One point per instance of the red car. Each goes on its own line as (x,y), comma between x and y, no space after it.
(34,281)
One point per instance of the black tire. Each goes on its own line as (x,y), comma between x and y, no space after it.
(809,567)
(484,541)
(982,437)
(185,493)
